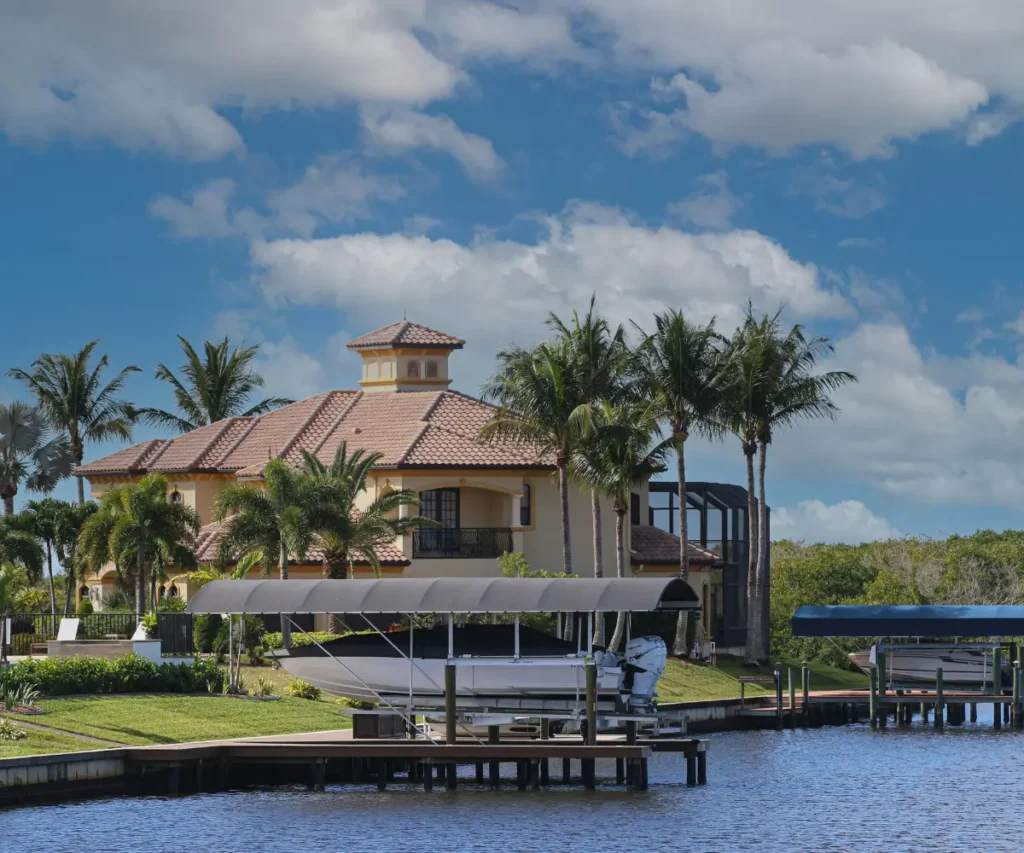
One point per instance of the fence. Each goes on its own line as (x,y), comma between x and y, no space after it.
(173,629)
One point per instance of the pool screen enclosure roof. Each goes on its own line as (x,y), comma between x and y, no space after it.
(925,620)
(445,595)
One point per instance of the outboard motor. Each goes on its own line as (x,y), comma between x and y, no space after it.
(642,666)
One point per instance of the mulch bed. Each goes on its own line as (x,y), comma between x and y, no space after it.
(30,710)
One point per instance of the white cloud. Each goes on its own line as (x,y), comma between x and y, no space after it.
(504,289)
(875,295)
(712,206)
(330,192)
(846,521)
(401,130)
(840,196)
(861,243)
(970,315)
(1017,325)
(290,372)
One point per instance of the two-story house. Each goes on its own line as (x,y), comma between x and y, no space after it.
(487,497)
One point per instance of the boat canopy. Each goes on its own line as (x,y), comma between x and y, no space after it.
(919,620)
(445,595)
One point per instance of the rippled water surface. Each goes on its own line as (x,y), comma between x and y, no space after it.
(846,789)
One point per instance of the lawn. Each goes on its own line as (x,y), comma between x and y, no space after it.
(144,720)
(684,682)
(38,742)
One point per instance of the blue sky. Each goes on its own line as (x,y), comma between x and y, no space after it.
(297,174)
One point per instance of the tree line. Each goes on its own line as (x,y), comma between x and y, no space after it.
(611,412)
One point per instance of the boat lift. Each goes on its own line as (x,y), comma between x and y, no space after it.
(456,596)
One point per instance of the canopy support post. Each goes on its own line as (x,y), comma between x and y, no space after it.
(515,653)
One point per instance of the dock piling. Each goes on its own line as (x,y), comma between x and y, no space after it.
(779,710)
(806,688)
(997,687)
(873,696)
(591,703)
(450,721)
(939,705)
(1016,717)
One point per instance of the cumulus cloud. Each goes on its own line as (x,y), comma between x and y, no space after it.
(402,130)
(846,521)
(713,205)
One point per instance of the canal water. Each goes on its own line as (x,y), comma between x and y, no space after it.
(828,789)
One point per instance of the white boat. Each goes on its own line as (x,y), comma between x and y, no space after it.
(545,675)
(917,663)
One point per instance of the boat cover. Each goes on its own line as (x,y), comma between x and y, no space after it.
(445,595)
(917,620)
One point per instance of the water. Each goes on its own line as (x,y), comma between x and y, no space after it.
(828,789)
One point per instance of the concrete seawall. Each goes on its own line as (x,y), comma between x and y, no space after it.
(32,777)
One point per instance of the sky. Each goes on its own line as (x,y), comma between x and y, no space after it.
(296,174)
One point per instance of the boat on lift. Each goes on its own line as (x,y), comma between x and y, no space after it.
(963,665)
(499,668)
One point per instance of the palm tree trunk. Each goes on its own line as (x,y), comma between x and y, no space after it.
(563,493)
(53,590)
(9,504)
(750,654)
(762,554)
(620,570)
(679,642)
(595,507)
(3,638)
(70,583)
(140,578)
(78,451)
(81,487)
(286,626)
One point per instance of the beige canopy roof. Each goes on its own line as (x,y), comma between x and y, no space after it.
(445,595)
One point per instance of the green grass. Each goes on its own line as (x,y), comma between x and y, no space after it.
(684,682)
(144,720)
(39,742)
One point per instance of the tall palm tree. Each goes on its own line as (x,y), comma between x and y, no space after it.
(69,522)
(627,450)
(22,549)
(136,523)
(542,399)
(347,531)
(215,386)
(75,402)
(788,391)
(682,368)
(40,518)
(28,453)
(278,519)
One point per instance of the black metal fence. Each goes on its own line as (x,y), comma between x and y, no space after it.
(27,629)
(461,542)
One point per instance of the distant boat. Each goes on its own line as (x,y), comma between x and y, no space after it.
(917,664)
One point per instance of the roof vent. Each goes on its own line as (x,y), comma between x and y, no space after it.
(357,430)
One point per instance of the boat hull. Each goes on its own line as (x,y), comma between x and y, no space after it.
(960,666)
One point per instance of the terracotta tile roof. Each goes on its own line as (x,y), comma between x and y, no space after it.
(653,546)
(416,430)
(208,543)
(406,334)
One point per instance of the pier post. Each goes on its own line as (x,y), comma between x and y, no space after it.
(805,679)
(873,697)
(691,771)
(451,775)
(882,679)
(939,708)
(997,671)
(449,703)
(702,767)
(779,710)
(620,771)
(1018,722)
(494,771)
(974,712)
(591,703)
(792,695)
(566,771)
(428,777)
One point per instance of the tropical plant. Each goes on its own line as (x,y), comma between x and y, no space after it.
(10,731)
(29,454)
(12,580)
(70,519)
(787,391)
(23,695)
(215,386)
(150,623)
(84,608)
(21,549)
(304,690)
(264,687)
(137,524)
(207,572)
(40,518)
(129,674)
(627,449)
(75,402)
(682,372)
(542,400)
(344,531)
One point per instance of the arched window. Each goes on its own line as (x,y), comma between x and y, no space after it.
(524,505)
(162,591)
(175,497)
(172,592)
(412,370)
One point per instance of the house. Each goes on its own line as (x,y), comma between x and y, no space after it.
(488,497)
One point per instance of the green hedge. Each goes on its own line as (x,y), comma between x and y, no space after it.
(129,674)
(272,639)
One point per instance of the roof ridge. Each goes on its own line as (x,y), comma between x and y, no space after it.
(287,446)
(344,413)
(412,444)
(164,444)
(252,420)
(432,406)
(228,423)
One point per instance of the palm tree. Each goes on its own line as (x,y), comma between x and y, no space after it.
(22,549)
(788,392)
(12,581)
(542,399)
(216,385)
(74,401)
(137,523)
(40,518)
(28,454)
(347,531)
(69,521)
(626,451)
(278,519)
(682,370)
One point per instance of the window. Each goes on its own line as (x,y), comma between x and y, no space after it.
(525,505)
(431,370)
(442,506)
(412,370)
(634,509)
(175,497)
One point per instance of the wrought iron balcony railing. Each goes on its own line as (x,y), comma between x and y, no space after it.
(461,542)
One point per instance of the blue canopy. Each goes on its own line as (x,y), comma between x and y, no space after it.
(918,620)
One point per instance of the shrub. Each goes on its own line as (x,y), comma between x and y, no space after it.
(129,674)
(84,608)
(204,631)
(272,639)
(21,695)
(263,687)
(150,623)
(9,731)
(252,639)
(356,704)
(171,605)
(304,690)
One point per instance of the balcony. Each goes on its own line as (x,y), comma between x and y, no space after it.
(480,543)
